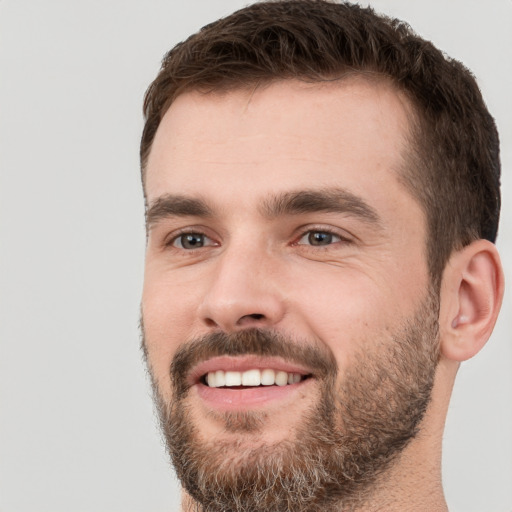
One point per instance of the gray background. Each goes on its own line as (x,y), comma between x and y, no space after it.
(77,429)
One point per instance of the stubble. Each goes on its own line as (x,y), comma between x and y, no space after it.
(337,451)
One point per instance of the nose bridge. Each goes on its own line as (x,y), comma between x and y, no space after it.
(244,289)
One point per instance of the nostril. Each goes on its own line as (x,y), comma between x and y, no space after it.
(248,318)
(244,321)
(210,322)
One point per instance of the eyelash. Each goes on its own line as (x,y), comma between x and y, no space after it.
(323,230)
(172,241)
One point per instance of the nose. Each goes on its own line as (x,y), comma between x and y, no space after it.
(244,291)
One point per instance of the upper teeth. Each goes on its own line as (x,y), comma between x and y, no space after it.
(265,377)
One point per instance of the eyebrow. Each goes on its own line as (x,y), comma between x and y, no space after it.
(170,205)
(331,200)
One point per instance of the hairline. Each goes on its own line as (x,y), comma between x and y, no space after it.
(251,85)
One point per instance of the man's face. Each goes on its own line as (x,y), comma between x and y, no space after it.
(282,248)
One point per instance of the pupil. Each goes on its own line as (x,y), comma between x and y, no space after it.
(192,241)
(320,238)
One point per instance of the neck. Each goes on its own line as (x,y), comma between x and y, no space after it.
(413,483)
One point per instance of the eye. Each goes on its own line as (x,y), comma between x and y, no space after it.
(190,241)
(319,238)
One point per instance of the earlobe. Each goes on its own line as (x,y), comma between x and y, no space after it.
(471,296)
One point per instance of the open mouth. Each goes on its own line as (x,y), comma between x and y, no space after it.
(238,383)
(251,378)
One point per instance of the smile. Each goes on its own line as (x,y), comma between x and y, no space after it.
(251,378)
(237,383)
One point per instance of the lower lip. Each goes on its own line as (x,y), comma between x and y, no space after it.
(227,399)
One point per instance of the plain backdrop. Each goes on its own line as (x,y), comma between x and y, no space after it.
(77,427)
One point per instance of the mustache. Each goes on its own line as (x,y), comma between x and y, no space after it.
(257,342)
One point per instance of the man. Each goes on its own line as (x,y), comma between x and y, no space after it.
(322,191)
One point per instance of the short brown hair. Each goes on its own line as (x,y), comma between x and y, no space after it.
(454,167)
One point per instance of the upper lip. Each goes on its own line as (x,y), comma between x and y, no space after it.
(242,364)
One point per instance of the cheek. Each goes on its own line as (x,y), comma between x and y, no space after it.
(167,313)
(349,310)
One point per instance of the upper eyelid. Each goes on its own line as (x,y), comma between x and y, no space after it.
(299,233)
(333,233)
(342,233)
(333,243)
(174,239)
(170,238)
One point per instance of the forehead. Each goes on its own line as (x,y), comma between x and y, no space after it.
(285,135)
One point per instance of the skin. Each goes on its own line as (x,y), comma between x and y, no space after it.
(237,150)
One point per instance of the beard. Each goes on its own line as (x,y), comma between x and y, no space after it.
(338,450)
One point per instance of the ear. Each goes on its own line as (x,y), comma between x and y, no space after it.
(471,296)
